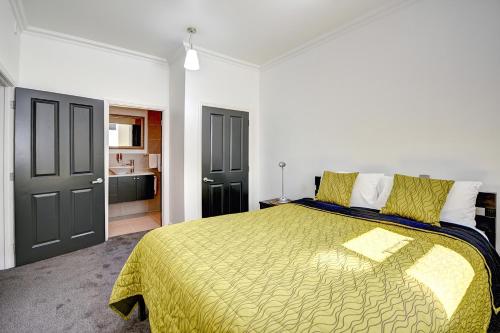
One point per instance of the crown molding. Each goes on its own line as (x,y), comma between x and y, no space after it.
(346,28)
(6,80)
(178,54)
(30,30)
(223,57)
(19,14)
(18,11)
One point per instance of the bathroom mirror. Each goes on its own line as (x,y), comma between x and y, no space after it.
(126,132)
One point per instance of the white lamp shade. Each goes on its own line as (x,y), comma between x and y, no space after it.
(191,61)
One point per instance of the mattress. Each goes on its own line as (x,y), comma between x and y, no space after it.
(311,267)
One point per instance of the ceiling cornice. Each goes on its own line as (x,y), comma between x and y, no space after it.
(5,79)
(24,27)
(18,11)
(351,26)
(92,43)
(178,54)
(223,57)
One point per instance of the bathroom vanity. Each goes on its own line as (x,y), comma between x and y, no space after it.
(131,187)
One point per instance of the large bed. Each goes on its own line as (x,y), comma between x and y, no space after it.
(310,266)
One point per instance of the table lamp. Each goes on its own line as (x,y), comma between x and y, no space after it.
(282,199)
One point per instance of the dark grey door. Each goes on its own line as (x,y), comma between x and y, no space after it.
(59,167)
(224,161)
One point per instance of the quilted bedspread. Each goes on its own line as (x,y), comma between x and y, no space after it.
(295,269)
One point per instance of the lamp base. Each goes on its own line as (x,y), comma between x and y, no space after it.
(283,200)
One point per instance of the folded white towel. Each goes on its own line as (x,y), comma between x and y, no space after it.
(158,162)
(155,185)
(153,161)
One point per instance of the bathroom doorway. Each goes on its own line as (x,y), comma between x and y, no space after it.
(135,170)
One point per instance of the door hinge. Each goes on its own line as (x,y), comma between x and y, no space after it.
(11,176)
(13,105)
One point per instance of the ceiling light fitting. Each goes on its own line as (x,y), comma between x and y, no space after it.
(191,63)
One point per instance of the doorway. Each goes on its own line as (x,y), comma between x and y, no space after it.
(135,170)
(224,161)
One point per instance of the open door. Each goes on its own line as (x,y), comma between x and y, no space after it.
(59,174)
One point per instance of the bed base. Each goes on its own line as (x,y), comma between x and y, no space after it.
(142,310)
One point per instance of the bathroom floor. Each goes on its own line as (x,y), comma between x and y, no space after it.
(134,223)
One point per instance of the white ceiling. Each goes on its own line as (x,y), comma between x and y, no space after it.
(254,31)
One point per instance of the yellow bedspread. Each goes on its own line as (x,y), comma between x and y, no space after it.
(296,269)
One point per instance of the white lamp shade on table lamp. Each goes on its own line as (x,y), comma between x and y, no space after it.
(283,198)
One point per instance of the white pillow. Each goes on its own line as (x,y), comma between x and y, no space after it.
(364,192)
(384,189)
(460,205)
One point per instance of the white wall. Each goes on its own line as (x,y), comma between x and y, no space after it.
(176,134)
(60,66)
(223,84)
(9,42)
(416,92)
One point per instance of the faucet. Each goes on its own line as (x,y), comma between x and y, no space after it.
(132,164)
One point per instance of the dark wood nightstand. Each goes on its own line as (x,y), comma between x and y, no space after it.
(270,203)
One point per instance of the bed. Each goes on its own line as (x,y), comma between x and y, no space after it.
(309,266)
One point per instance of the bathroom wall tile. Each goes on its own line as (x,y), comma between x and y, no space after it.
(154,146)
(154,132)
(154,117)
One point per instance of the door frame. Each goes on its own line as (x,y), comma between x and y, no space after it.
(8,183)
(3,117)
(7,234)
(165,179)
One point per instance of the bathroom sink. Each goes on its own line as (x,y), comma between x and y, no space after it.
(121,170)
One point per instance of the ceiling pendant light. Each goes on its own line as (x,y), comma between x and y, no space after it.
(191,63)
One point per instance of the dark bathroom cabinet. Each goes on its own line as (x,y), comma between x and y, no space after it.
(131,188)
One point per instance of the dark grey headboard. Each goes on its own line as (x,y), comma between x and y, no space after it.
(485,200)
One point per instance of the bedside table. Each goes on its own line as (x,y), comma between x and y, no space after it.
(270,203)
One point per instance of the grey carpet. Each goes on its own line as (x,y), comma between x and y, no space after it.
(68,293)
